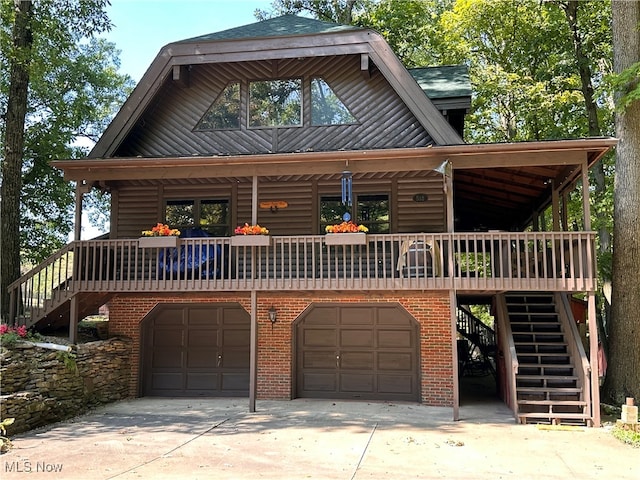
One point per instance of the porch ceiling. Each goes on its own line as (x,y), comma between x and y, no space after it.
(496,186)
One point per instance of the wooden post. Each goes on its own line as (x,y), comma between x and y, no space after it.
(456,387)
(81,189)
(253,356)
(593,358)
(586,208)
(254,201)
(73,319)
(555,206)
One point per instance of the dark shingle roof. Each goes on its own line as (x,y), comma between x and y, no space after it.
(443,82)
(285,25)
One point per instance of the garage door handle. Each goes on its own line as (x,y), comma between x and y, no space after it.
(219,360)
(337,360)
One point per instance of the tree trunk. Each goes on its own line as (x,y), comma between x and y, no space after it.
(623,376)
(13,151)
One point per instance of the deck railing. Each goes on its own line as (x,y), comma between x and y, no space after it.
(550,261)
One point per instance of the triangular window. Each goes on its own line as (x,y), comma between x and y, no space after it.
(224,112)
(326,107)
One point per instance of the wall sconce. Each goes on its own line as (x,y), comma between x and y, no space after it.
(273,314)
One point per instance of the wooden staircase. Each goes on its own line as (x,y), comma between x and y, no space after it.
(480,344)
(548,389)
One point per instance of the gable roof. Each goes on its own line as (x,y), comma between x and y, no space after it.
(277,38)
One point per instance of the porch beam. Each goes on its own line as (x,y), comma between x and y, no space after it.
(253,354)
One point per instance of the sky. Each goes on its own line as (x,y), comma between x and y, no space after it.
(142,27)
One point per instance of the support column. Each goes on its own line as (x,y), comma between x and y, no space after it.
(593,358)
(73,319)
(555,207)
(81,188)
(253,357)
(254,201)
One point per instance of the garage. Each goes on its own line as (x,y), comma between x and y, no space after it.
(357,352)
(196,350)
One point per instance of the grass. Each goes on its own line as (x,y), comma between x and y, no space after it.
(626,435)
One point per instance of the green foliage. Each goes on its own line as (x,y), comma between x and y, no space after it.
(69,360)
(74,91)
(626,435)
(627,83)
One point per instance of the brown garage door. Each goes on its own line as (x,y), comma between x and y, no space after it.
(196,350)
(357,351)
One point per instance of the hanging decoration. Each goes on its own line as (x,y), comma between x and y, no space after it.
(347,188)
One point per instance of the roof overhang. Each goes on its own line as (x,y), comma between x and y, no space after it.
(523,155)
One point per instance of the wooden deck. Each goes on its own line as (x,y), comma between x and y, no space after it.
(469,262)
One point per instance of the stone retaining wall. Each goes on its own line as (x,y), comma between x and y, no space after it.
(39,386)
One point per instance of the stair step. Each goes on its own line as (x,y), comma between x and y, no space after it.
(553,402)
(556,415)
(543,354)
(550,390)
(559,366)
(555,344)
(535,324)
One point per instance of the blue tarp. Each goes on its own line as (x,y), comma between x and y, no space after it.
(188,261)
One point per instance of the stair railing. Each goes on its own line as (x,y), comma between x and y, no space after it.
(508,352)
(46,285)
(576,349)
(475,330)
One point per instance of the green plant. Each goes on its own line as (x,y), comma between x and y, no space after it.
(69,360)
(10,335)
(5,443)
(626,435)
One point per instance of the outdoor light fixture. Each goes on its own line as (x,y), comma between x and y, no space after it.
(273,314)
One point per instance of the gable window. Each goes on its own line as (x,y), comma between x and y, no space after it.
(371,211)
(211,215)
(326,107)
(275,103)
(224,113)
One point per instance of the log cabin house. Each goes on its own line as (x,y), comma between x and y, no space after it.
(291,123)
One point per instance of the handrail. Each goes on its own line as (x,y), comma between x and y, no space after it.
(473,326)
(510,354)
(576,348)
(481,261)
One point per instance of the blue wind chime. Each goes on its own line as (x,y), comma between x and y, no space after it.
(347,193)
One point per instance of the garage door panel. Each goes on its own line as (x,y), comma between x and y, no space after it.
(356,338)
(313,359)
(197,337)
(395,338)
(393,316)
(167,337)
(357,360)
(319,337)
(395,361)
(169,316)
(202,316)
(357,316)
(234,382)
(167,381)
(319,382)
(359,383)
(396,384)
(167,358)
(235,359)
(322,316)
(202,381)
(234,316)
(235,337)
(201,358)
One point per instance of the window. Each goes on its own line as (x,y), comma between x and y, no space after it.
(371,211)
(224,113)
(209,214)
(275,103)
(326,107)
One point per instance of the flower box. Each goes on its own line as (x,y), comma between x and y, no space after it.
(345,238)
(168,241)
(250,241)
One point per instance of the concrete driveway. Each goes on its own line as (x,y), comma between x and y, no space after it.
(311,439)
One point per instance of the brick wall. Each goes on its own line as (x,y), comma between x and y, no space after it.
(275,351)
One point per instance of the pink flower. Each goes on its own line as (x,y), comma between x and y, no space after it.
(4,329)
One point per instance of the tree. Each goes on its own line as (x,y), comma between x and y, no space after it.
(623,374)
(338,11)
(72,89)
(13,146)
